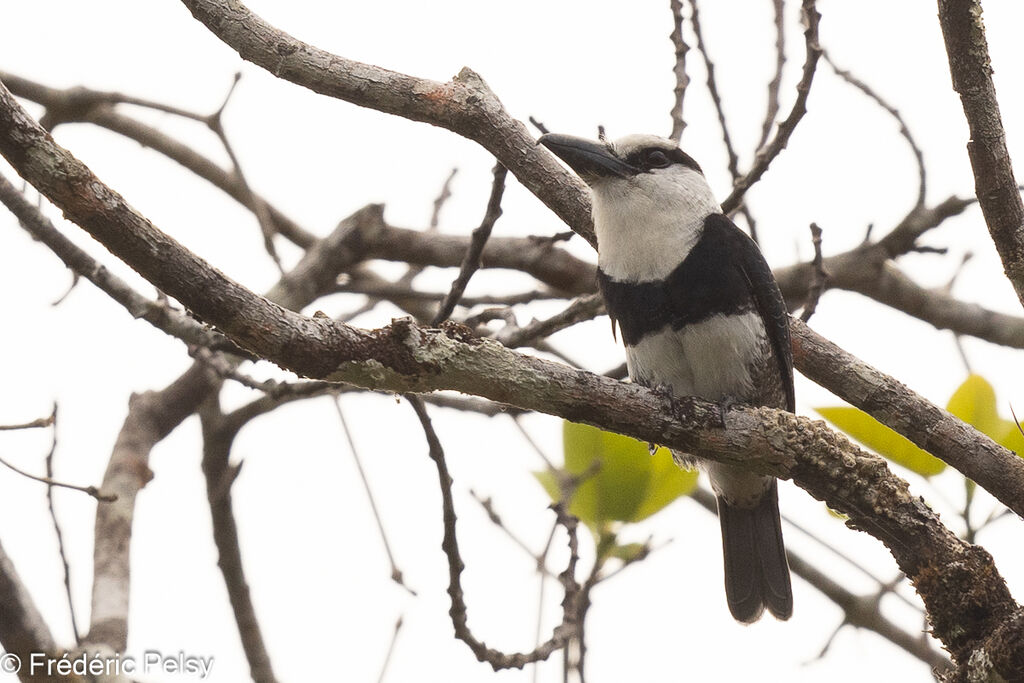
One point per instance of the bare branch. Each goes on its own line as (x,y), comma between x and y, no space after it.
(733,163)
(57,529)
(398,292)
(89,490)
(34,424)
(993,467)
(471,261)
(776,83)
(904,130)
(679,70)
(497,659)
(767,154)
(396,573)
(464,105)
(22,628)
(818,282)
(157,313)
(994,182)
(584,308)
(218,437)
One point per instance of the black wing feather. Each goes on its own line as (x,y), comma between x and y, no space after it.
(764,291)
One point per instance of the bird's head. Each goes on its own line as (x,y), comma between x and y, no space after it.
(630,158)
(650,197)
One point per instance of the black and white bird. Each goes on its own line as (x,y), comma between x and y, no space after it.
(700,314)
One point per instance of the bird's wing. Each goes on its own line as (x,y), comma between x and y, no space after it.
(764,291)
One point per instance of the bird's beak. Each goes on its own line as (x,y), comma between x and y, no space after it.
(591,160)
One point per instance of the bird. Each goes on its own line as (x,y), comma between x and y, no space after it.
(700,314)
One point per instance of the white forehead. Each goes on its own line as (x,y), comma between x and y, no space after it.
(631,143)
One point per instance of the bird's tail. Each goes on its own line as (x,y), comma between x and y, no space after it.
(756,570)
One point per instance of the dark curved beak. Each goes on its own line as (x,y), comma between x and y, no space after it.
(591,160)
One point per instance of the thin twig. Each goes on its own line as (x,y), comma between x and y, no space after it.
(767,154)
(488,506)
(904,129)
(398,291)
(159,314)
(776,83)
(267,226)
(497,659)
(75,279)
(57,530)
(90,490)
(441,200)
(228,369)
(678,70)
(391,650)
(396,573)
(413,270)
(533,444)
(541,590)
(582,308)
(716,98)
(471,261)
(34,424)
(818,277)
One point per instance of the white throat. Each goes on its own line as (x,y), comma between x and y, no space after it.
(647,224)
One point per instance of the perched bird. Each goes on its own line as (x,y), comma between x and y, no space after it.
(700,314)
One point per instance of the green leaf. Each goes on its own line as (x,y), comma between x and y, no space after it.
(974,402)
(884,441)
(620,481)
(1013,440)
(615,478)
(627,552)
(668,481)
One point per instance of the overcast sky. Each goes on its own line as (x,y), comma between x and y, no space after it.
(318,574)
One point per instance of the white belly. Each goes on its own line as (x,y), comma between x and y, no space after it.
(711,359)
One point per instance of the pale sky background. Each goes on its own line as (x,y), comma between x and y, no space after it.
(315,565)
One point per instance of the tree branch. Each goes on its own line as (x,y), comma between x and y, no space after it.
(478,240)
(497,659)
(767,154)
(775,84)
(995,468)
(678,70)
(464,105)
(994,182)
(218,437)
(22,628)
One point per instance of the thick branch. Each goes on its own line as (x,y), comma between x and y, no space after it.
(22,629)
(464,105)
(218,436)
(994,182)
(157,313)
(997,469)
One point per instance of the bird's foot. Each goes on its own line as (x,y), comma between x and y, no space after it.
(725,405)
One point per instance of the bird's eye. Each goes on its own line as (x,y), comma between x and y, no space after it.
(655,158)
